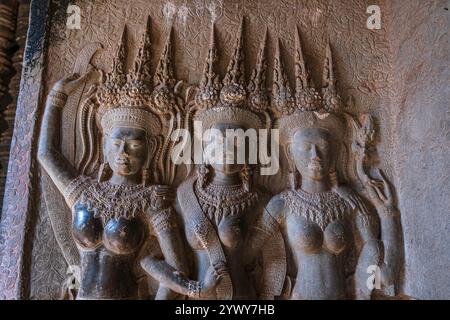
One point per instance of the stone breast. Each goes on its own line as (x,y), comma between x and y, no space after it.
(308,237)
(120,236)
(230,232)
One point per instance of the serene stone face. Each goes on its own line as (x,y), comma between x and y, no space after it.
(312,153)
(126,150)
(227,148)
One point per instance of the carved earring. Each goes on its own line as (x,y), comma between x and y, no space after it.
(333,178)
(246,177)
(293,180)
(145,176)
(146,172)
(104,171)
(202,174)
(292,176)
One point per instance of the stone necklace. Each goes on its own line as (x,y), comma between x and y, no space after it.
(110,201)
(322,208)
(220,201)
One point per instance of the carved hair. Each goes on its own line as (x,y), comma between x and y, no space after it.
(134,100)
(306,108)
(228,102)
(232,101)
(125,100)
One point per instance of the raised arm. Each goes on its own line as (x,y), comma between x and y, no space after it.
(49,154)
(380,193)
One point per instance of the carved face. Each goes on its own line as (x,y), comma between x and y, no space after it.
(312,153)
(236,164)
(126,150)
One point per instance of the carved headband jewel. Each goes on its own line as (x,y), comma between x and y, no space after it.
(128,99)
(228,101)
(307,108)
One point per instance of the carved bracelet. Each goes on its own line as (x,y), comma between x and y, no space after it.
(193,289)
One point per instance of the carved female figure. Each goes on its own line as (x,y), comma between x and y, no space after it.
(220,201)
(323,224)
(121,224)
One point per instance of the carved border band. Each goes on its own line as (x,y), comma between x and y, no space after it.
(19,184)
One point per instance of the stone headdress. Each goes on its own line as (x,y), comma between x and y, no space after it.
(231,100)
(133,99)
(127,99)
(307,108)
(228,101)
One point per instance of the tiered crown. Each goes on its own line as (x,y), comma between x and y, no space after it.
(129,99)
(137,99)
(331,100)
(228,101)
(307,107)
(306,97)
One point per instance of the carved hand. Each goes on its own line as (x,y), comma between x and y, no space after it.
(363,139)
(380,192)
(68,84)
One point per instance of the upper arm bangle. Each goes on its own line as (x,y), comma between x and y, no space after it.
(389,211)
(58,98)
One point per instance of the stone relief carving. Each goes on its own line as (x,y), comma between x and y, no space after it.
(325,224)
(219,201)
(123,221)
